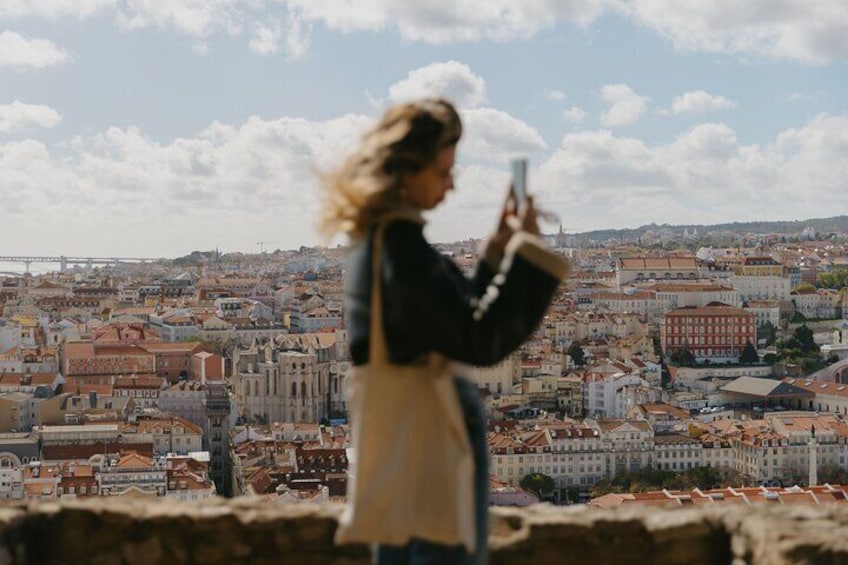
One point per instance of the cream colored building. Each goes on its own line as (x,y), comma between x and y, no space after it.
(582,325)
(639,269)
(677,452)
(761,287)
(167,434)
(499,378)
(18,412)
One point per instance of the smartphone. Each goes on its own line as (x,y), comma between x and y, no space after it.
(519,180)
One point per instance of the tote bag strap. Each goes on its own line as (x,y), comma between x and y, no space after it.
(377,350)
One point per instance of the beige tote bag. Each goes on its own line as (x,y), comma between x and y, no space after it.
(412,469)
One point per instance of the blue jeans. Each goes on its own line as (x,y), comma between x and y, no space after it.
(422,552)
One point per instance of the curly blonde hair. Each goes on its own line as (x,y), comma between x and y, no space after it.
(368,185)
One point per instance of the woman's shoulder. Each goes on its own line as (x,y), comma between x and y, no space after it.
(404,224)
(404,243)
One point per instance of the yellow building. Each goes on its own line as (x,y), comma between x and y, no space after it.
(759,267)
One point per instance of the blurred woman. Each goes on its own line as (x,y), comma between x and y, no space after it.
(419,476)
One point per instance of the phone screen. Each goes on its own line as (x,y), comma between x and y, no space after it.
(519,180)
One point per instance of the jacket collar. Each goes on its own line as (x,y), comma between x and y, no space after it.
(405,212)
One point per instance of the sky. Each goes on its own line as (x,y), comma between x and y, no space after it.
(152,128)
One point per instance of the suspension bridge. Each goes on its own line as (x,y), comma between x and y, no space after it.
(65,261)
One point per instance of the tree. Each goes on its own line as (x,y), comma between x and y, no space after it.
(833,474)
(541,485)
(768,332)
(836,279)
(683,357)
(749,355)
(602,487)
(801,350)
(576,353)
(798,318)
(794,475)
(572,495)
(804,337)
(704,477)
(800,341)
(770,359)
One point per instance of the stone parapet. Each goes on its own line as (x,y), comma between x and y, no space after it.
(115,531)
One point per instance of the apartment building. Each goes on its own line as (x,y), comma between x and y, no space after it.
(677,452)
(641,269)
(717,332)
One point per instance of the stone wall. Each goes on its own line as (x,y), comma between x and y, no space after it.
(106,532)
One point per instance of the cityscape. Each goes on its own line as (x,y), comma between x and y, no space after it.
(664,365)
(174,361)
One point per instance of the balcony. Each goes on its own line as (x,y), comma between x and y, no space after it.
(247,531)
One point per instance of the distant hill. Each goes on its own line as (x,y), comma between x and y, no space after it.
(837,224)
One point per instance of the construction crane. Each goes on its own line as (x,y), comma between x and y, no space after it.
(262,245)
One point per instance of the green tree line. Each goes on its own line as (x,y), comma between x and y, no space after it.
(835,279)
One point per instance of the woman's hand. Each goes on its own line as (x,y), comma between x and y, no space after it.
(506,223)
(495,245)
(511,221)
(528,217)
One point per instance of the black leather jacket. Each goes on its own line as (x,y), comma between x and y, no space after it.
(429,305)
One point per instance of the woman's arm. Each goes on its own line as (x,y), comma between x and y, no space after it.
(429,305)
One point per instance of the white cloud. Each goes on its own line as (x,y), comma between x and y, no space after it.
(574,114)
(555,95)
(451,79)
(625,106)
(814,96)
(269,22)
(10,9)
(809,32)
(442,21)
(437,21)
(700,101)
(298,36)
(200,48)
(19,116)
(262,173)
(17,51)
(265,40)
(493,135)
(705,175)
(197,18)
